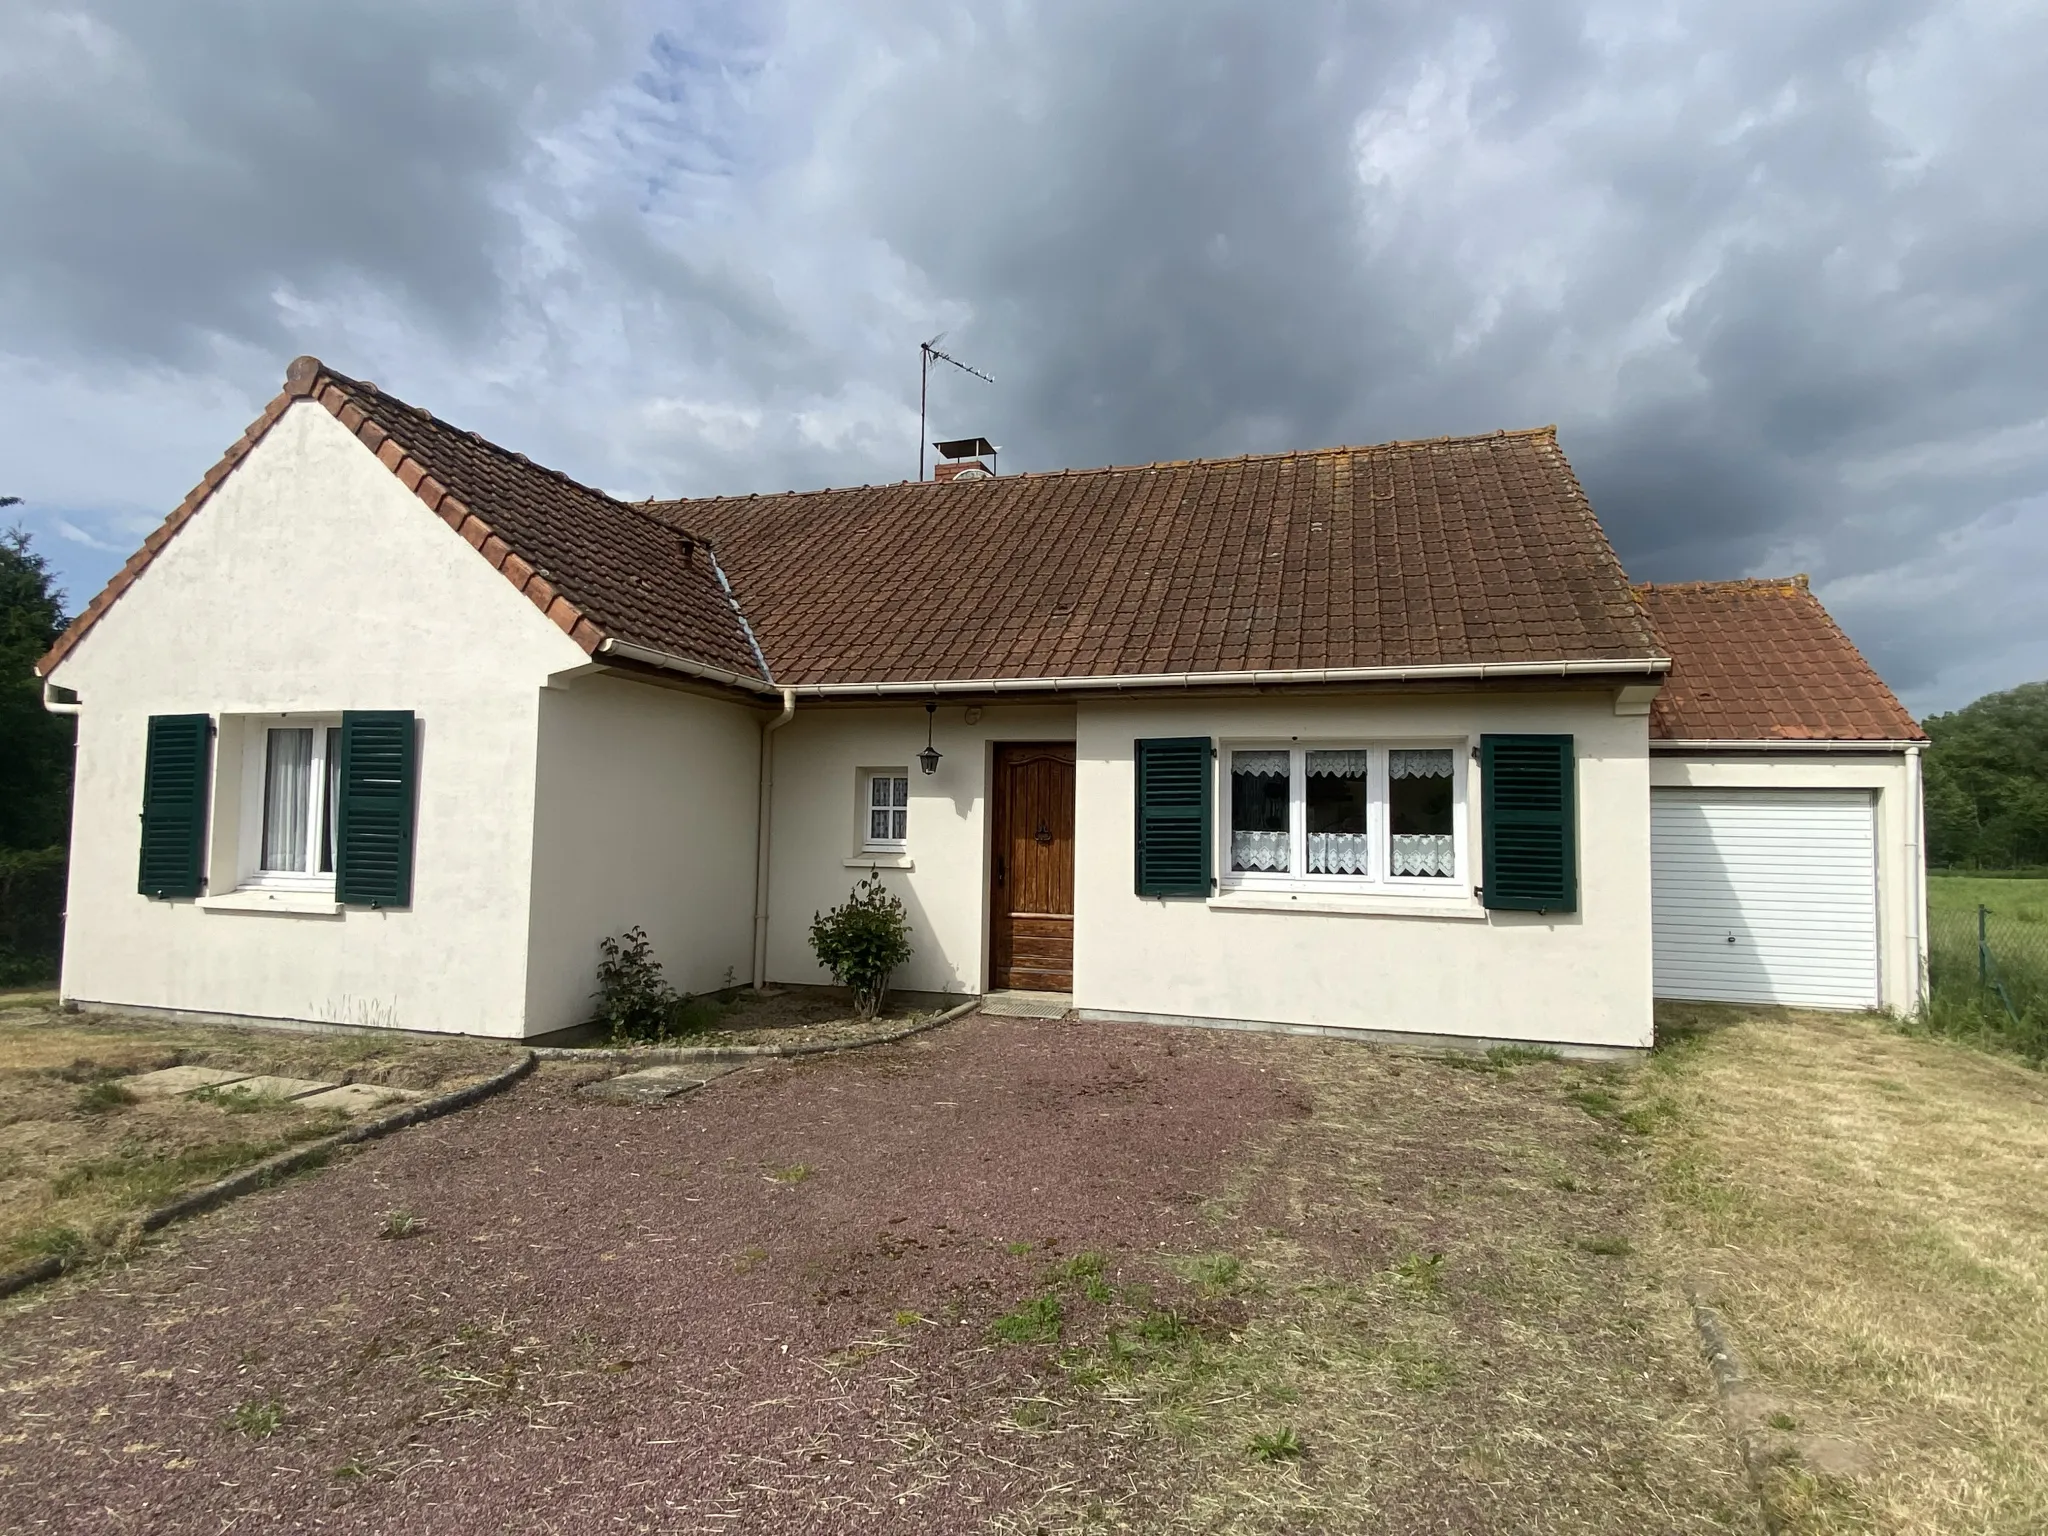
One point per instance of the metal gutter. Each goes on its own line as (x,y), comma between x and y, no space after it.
(1838,744)
(1916,875)
(1646,665)
(625,650)
(764,820)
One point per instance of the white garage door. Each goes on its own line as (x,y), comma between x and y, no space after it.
(1765,896)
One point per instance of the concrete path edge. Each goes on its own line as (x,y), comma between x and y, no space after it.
(1731,1383)
(258,1175)
(669,1055)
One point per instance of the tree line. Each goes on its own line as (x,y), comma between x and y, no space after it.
(1987,782)
(35,770)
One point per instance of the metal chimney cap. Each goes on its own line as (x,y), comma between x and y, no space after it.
(965,447)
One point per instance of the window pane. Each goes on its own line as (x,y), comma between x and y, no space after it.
(287,785)
(888,816)
(1419,812)
(1337,840)
(1258,811)
(327,799)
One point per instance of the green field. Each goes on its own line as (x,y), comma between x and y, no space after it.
(2016,930)
(2022,900)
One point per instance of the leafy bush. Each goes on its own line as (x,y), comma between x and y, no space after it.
(634,999)
(862,941)
(31,914)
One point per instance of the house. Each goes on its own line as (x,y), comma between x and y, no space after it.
(389,726)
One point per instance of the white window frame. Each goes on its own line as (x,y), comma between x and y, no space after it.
(869,843)
(256,731)
(1378,822)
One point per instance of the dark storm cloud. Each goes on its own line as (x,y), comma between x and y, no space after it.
(1773,271)
(169,172)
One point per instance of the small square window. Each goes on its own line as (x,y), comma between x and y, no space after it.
(888,809)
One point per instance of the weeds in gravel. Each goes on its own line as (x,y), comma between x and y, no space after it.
(1038,1321)
(1217,1274)
(401,1224)
(55,1241)
(1421,1274)
(257,1421)
(1280,1445)
(102,1098)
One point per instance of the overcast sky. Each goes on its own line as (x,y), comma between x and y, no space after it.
(1775,269)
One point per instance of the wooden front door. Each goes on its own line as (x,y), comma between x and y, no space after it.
(1031,867)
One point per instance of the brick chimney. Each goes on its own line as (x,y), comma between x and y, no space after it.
(965,458)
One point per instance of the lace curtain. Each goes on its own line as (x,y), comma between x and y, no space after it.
(1424,853)
(1260,763)
(1338,765)
(287,782)
(1258,850)
(1339,853)
(1419,763)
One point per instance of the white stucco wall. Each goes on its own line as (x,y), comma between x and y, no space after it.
(1579,978)
(313,581)
(644,815)
(817,830)
(1901,872)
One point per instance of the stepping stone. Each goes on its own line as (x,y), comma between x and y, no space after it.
(358,1098)
(278,1087)
(1027,1005)
(172,1081)
(651,1085)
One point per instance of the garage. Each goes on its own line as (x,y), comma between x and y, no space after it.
(1765,896)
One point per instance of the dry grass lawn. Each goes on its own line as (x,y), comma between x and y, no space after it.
(1869,1212)
(79,1157)
(1428,1307)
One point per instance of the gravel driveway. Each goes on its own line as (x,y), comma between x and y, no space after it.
(764,1307)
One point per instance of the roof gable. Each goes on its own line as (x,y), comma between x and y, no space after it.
(595,566)
(1763,661)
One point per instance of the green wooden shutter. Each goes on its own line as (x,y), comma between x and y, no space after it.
(1531,817)
(1174,817)
(174,784)
(373,821)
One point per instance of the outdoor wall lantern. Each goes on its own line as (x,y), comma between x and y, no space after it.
(928,759)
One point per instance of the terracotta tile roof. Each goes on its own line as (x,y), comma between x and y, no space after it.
(1451,551)
(1458,552)
(598,567)
(1762,661)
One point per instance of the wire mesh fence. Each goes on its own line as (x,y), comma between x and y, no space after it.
(1987,973)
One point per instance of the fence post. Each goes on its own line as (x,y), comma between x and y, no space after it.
(1983,948)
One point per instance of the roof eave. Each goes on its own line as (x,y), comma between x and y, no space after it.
(1622,667)
(1786,744)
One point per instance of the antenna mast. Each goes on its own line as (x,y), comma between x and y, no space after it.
(927,353)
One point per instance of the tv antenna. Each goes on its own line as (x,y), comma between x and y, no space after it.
(928,352)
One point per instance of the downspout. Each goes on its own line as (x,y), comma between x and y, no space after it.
(1916,877)
(763,816)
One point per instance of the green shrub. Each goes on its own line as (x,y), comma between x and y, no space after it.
(634,999)
(862,941)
